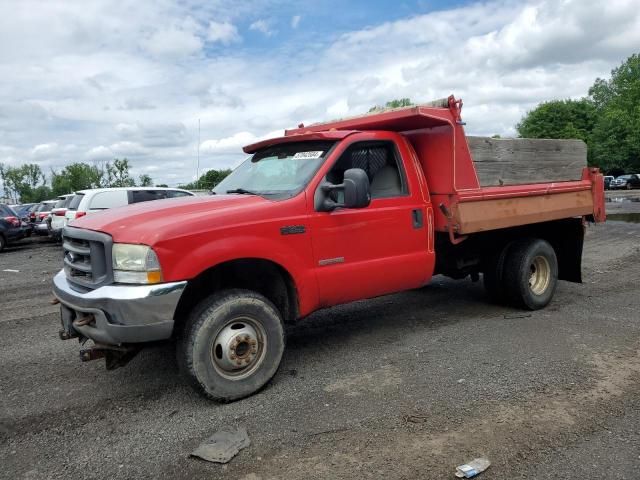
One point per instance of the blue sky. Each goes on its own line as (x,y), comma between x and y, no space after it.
(91,81)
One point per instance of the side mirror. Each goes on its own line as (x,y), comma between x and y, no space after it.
(354,188)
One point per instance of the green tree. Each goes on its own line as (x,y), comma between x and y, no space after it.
(559,119)
(145,180)
(162,185)
(117,174)
(397,103)
(616,137)
(74,177)
(25,183)
(208,180)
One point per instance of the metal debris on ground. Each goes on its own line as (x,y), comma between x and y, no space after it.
(473,468)
(223,445)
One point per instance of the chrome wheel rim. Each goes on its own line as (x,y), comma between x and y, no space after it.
(539,275)
(239,348)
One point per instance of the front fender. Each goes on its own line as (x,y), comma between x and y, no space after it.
(188,259)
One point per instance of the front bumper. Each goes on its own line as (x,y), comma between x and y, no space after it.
(122,313)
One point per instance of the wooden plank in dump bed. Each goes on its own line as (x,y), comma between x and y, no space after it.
(513,161)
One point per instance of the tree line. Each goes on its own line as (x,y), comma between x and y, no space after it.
(607,119)
(28,184)
(207,180)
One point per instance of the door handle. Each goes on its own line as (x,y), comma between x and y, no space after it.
(418,220)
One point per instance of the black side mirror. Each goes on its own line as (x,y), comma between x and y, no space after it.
(355,189)
(357,193)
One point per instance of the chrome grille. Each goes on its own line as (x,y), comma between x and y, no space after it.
(87,257)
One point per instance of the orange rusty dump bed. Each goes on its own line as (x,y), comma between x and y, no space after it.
(480,184)
(500,207)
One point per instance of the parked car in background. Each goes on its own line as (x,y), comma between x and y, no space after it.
(607,181)
(626,182)
(57,220)
(23,212)
(10,226)
(90,201)
(39,216)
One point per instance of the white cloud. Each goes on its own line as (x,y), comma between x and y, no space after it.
(127,149)
(44,150)
(223,32)
(172,43)
(99,153)
(263,27)
(295,21)
(232,144)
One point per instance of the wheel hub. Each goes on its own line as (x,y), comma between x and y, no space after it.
(238,348)
(540,276)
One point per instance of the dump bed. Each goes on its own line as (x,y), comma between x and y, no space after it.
(480,183)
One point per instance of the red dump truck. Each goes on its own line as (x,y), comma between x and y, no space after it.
(324,215)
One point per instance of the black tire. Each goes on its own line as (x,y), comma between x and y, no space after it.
(3,242)
(520,267)
(492,278)
(214,315)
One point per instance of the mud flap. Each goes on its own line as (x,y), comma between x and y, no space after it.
(568,241)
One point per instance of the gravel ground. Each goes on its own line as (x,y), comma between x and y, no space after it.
(403,386)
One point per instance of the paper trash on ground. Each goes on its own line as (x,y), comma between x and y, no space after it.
(473,468)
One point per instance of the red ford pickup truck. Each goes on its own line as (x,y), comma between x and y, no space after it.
(324,215)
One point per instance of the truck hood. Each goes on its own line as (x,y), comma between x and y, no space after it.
(150,222)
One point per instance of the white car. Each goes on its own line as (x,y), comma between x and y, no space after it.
(40,216)
(57,219)
(86,202)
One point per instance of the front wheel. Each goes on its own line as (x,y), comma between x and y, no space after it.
(232,344)
(531,273)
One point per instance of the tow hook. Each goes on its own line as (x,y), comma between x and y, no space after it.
(115,356)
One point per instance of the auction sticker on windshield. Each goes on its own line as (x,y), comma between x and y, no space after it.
(305,155)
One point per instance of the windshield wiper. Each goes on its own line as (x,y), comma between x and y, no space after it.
(242,191)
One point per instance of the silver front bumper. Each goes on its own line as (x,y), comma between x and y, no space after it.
(123,313)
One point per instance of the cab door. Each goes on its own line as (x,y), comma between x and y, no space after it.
(383,248)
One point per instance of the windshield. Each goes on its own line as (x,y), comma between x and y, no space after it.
(280,171)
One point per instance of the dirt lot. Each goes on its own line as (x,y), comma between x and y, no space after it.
(404,386)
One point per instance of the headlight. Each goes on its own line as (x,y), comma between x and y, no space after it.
(135,264)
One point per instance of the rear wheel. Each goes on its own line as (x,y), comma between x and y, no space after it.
(3,242)
(531,273)
(232,344)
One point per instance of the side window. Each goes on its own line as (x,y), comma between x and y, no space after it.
(177,193)
(5,212)
(138,196)
(380,161)
(105,200)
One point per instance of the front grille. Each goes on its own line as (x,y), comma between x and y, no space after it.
(77,258)
(87,257)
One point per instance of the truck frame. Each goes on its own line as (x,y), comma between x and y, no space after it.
(364,206)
